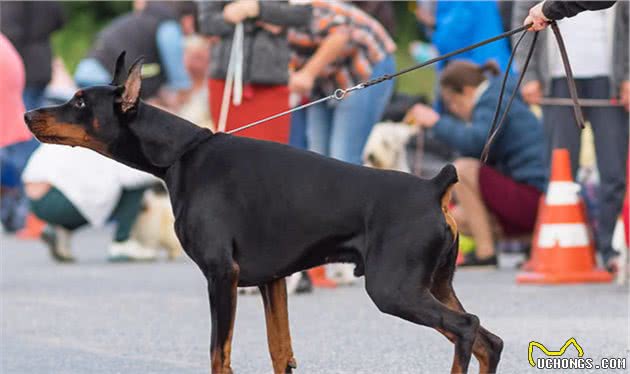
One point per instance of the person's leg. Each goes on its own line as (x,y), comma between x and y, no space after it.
(318,126)
(126,212)
(62,218)
(468,194)
(610,132)
(560,127)
(55,209)
(355,116)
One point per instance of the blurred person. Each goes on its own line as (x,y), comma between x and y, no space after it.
(507,188)
(152,30)
(340,46)
(597,47)
(69,188)
(16,142)
(457,26)
(265,63)
(29,25)
(195,104)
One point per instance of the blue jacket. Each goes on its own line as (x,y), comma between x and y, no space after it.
(462,23)
(518,149)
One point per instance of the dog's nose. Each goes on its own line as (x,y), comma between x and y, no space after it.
(371,158)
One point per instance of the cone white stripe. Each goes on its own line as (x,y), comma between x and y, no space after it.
(563,193)
(563,235)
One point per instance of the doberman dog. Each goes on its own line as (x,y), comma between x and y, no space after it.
(250,213)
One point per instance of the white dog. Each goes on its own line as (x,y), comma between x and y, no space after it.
(385,147)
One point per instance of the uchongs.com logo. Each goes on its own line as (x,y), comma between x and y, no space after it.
(559,360)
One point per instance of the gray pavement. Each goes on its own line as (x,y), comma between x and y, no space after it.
(96,317)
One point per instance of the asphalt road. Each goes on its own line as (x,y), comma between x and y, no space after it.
(96,317)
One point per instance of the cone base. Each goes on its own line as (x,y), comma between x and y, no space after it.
(593,276)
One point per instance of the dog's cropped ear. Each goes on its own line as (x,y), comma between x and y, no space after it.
(131,94)
(119,70)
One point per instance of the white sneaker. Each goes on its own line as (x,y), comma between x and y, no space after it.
(130,250)
(58,240)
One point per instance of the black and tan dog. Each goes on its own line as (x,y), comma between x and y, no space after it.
(251,212)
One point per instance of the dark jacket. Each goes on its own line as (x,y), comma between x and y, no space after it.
(28,25)
(518,150)
(135,33)
(265,55)
(557,10)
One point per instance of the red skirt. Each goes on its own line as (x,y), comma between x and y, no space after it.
(259,101)
(515,205)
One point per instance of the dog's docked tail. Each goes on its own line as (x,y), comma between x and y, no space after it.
(444,184)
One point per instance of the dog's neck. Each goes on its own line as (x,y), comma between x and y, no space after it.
(154,139)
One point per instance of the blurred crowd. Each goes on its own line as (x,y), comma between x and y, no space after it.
(222,65)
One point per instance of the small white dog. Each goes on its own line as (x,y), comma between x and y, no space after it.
(154,227)
(386,146)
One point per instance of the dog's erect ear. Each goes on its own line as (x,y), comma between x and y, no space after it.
(131,94)
(119,70)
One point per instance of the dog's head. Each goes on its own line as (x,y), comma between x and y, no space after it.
(93,118)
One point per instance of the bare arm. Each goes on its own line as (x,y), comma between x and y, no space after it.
(327,52)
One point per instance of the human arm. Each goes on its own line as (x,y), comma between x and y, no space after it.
(302,81)
(170,42)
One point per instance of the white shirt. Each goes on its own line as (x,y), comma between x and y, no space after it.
(587,39)
(92,182)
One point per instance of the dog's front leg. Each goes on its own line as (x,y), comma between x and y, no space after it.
(222,292)
(274,296)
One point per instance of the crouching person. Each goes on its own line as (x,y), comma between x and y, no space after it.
(507,188)
(71,187)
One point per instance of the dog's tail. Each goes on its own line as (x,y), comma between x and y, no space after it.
(444,184)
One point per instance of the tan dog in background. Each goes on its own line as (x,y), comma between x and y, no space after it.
(154,227)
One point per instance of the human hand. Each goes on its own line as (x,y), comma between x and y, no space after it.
(624,95)
(421,115)
(536,18)
(301,82)
(532,92)
(240,10)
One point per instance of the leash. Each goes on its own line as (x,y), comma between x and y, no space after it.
(233,77)
(340,93)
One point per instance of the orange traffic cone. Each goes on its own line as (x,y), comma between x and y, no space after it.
(563,243)
(33,228)
(319,279)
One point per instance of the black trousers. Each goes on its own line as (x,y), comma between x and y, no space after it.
(610,132)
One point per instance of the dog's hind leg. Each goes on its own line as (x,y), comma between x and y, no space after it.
(408,297)
(222,286)
(274,295)
(487,347)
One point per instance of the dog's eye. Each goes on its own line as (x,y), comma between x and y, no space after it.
(79,103)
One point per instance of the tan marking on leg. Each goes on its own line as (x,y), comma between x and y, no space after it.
(450,221)
(274,296)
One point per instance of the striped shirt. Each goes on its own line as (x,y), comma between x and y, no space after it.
(369,44)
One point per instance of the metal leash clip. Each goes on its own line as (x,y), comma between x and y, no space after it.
(340,93)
